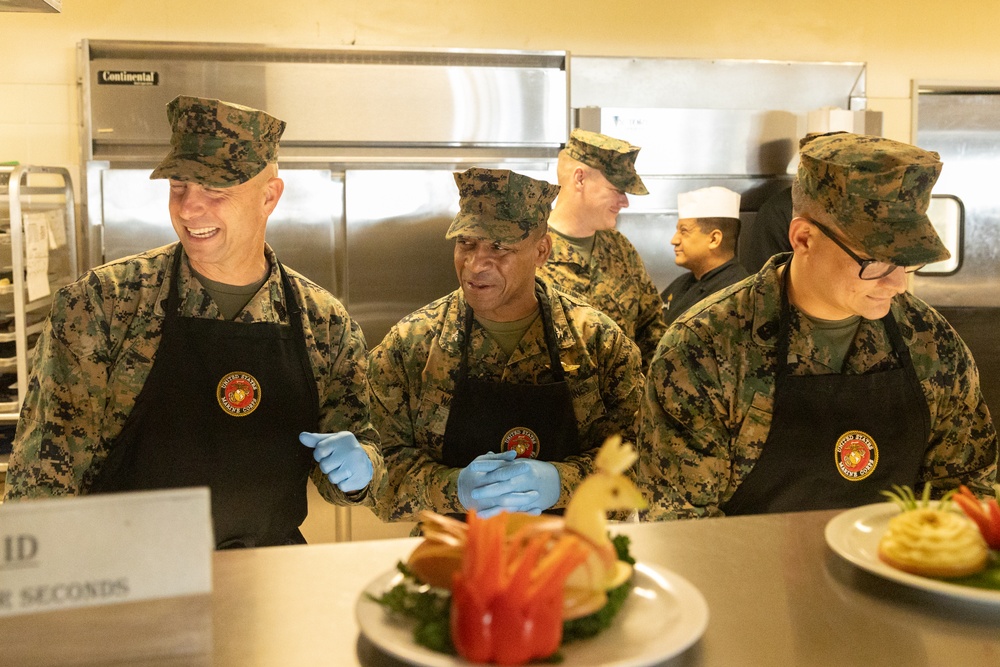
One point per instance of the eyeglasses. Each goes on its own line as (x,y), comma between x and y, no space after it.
(871,269)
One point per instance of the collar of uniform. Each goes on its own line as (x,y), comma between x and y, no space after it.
(195,301)
(708,275)
(563,252)
(767,307)
(454,320)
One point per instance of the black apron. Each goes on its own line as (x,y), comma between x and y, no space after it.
(537,420)
(222,407)
(837,440)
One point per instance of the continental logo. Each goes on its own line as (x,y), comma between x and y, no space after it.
(127,78)
(238,394)
(856,455)
(522,440)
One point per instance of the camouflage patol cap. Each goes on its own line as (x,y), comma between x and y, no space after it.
(218,144)
(612,157)
(500,204)
(877,192)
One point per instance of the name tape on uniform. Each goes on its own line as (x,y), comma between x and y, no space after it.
(83,551)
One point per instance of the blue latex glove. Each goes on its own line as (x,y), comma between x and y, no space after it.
(341,458)
(472,477)
(518,485)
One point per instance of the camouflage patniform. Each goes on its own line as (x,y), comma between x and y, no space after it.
(96,351)
(877,192)
(612,157)
(413,374)
(708,401)
(218,144)
(500,204)
(615,282)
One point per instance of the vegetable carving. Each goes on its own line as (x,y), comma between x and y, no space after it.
(985,514)
(507,598)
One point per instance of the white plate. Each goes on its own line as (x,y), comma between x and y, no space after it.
(855,534)
(663,615)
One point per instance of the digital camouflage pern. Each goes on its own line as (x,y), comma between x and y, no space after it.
(218,144)
(709,395)
(614,281)
(877,192)
(413,374)
(97,348)
(612,157)
(500,204)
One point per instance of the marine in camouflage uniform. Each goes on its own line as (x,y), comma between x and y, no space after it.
(708,413)
(99,346)
(95,352)
(613,278)
(413,372)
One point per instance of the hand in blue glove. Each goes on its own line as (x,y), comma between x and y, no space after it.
(494,483)
(523,485)
(471,478)
(341,457)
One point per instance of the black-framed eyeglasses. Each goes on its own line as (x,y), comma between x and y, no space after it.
(871,269)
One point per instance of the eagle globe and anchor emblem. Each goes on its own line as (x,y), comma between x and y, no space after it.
(238,394)
(522,440)
(856,455)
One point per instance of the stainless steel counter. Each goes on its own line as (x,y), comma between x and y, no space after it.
(776,594)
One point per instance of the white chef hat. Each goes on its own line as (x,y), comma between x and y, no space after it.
(713,202)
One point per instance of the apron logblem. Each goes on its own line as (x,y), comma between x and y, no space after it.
(536,420)
(222,407)
(837,440)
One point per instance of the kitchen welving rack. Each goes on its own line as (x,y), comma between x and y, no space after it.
(26,189)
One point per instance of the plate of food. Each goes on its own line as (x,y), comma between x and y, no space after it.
(663,615)
(516,588)
(930,545)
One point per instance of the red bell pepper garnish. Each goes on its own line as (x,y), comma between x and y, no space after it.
(507,599)
(987,516)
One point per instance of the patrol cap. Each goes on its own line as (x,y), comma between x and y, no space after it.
(612,157)
(876,191)
(711,202)
(218,144)
(500,204)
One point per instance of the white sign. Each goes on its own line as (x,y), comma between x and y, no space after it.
(36,252)
(82,551)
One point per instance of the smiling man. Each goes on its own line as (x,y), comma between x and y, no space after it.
(590,258)
(204,362)
(821,381)
(708,226)
(497,396)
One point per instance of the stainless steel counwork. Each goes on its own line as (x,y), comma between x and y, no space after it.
(687,83)
(732,123)
(964,128)
(962,124)
(776,594)
(303,229)
(342,104)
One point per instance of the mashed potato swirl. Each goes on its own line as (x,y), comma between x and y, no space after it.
(933,543)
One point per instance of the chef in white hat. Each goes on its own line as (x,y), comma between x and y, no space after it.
(708,225)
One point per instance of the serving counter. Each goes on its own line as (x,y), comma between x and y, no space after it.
(776,594)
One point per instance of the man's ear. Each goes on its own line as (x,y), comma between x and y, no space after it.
(715,239)
(543,249)
(801,234)
(272,193)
